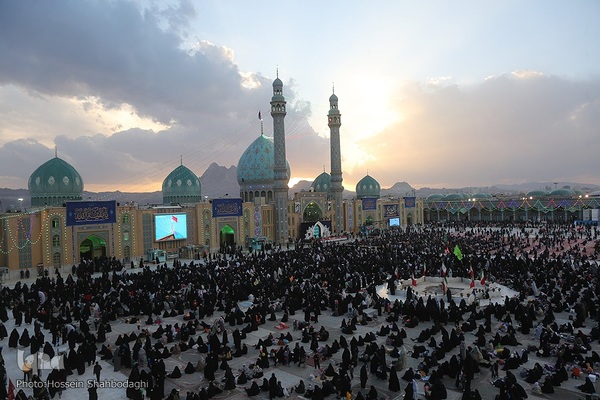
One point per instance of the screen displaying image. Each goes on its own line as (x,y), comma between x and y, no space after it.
(394,221)
(170,227)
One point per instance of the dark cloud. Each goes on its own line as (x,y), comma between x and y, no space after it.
(509,128)
(112,53)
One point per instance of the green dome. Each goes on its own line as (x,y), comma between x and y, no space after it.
(322,183)
(255,168)
(454,197)
(562,192)
(434,197)
(537,193)
(181,186)
(367,187)
(55,182)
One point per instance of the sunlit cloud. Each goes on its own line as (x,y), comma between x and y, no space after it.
(527,74)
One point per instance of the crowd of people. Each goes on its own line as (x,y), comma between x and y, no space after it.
(221,299)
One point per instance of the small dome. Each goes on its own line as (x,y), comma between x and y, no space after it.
(181,186)
(562,192)
(333,98)
(454,197)
(277,83)
(54,183)
(255,166)
(322,183)
(434,197)
(481,196)
(536,193)
(368,187)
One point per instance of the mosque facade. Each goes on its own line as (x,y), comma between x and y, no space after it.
(61,229)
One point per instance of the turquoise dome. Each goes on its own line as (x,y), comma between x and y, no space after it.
(55,182)
(562,193)
(537,193)
(322,183)
(368,187)
(454,197)
(434,197)
(255,168)
(181,186)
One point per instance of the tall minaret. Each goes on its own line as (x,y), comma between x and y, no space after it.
(337,190)
(280,167)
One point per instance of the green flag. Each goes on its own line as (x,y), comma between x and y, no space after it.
(458,253)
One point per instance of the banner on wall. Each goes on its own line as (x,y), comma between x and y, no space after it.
(410,202)
(227,208)
(390,210)
(91,212)
(369,203)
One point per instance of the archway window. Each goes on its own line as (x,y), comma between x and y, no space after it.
(127,252)
(55,223)
(312,212)
(227,236)
(55,241)
(56,260)
(125,219)
(126,236)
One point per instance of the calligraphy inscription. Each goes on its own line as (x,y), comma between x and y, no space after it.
(91,214)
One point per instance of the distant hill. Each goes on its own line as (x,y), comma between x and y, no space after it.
(218,181)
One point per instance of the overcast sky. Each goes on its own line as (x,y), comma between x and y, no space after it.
(437,93)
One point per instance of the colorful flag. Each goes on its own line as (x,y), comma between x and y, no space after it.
(424,269)
(174,218)
(11,390)
(472,285)
(444,285)
(471,273)
(444,270)
(414,281)
(447,250)
(458,253)
(482,278)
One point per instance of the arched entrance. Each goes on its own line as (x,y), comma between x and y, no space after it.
(227,236)
(92,247)
(312,213)
(409,219)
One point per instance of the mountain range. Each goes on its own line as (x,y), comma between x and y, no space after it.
(219,181)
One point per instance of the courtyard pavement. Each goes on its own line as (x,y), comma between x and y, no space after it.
(291,375)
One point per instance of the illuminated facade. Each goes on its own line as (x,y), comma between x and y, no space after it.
(188,225)
(560,205)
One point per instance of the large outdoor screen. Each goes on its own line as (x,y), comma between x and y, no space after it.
(394,221)
(170,227)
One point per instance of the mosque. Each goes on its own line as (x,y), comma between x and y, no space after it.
(61,228)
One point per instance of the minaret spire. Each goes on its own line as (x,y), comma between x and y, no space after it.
(337,190)
(280,174)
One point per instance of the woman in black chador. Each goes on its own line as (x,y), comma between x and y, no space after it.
(13,340)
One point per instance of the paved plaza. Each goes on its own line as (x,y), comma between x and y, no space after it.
(291,375)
